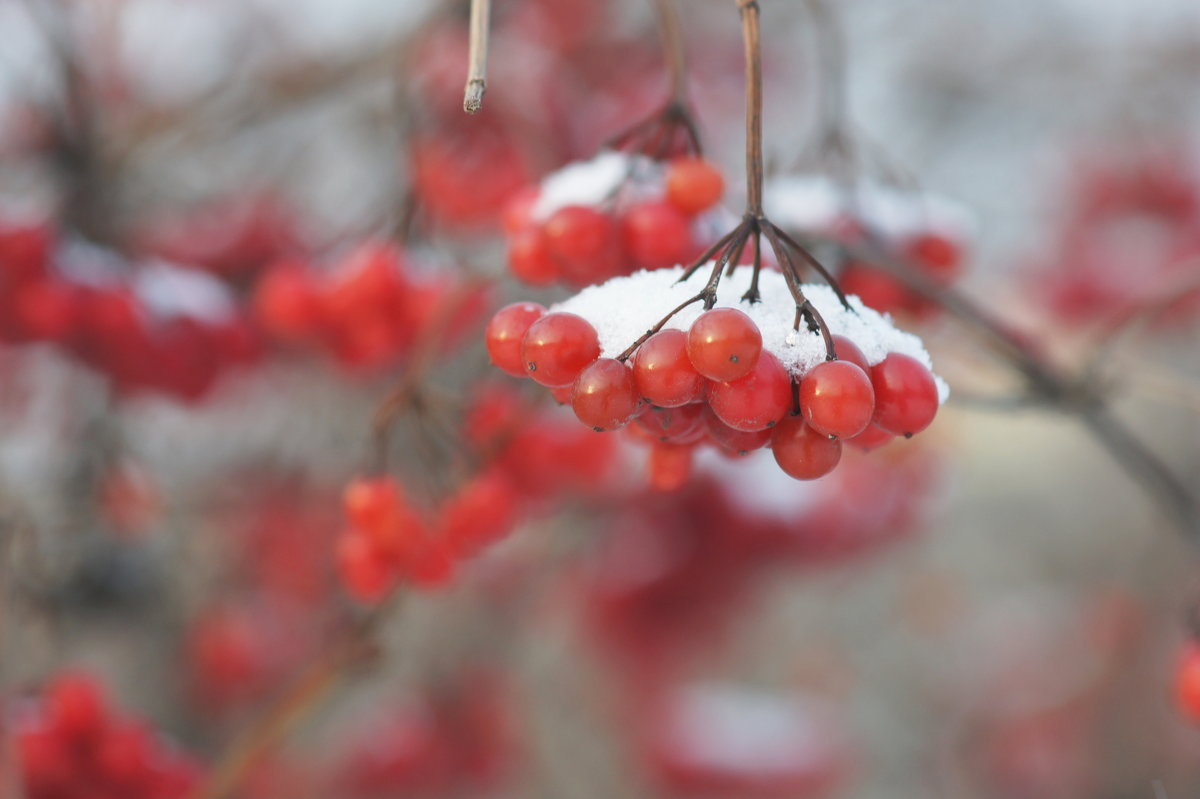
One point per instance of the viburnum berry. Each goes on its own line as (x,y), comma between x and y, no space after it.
(604,396)
(756,400)
(663,372)
(370,502)
(578,235)
(507,330)
(682,425)
(529,258)
(802,452)
(836,399)
(737,442)
(1187,681)
(724,344)
(656,235)
(481,511)
(847,350)
(75,706)
(906,396)
(669,465)
(365,572)
(557,347)
(872,438)
(693,185)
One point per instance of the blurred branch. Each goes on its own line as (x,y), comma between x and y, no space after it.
(673,50)
(477,63)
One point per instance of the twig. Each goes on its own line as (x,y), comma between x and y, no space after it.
(307,692)
(754,99)
(673,51)
(477,60)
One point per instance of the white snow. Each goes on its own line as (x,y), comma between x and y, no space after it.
(591,183)
(816,203)
(624,308)
(750,731)
(169,290)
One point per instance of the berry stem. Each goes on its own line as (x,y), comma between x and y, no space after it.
(477,58)
(754,99)
(673,51)
(306,692)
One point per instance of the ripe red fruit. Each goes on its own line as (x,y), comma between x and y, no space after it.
(604,397)
(836,399)
(1187,682)
(847,350)
(737,442)
(802,452)
(876,289)
(938,254)
(870,439)
(369,503)
(656,235)
(366,575)
(75,706)
(505,332)
(724,344)
(557,347)
(906,396)
(669,466)
(682,425)
(518,209)
(663,373)
(529,258)
(481,511)
(757,400)
(578,235)
(693,185)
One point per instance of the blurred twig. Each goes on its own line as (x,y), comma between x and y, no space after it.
(477,64)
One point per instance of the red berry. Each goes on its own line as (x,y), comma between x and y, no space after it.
(669,466)
(505,332)
(604,397)
(938,254)
(757,400)
(481,511)
(836,399)
(367,575)
(518,209)
(737,442)
(369,503)
(693,185)
(656,235)
(578,236)
(682,425)
(724,344)
(529,258)
(75,706)
(847,350)
(557,347)
(1187,682)
(802,452)
(906,396)
(876,289)
(870,439)
(663,373)
(287,302)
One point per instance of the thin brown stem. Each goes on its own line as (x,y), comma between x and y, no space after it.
(477,58)
(752,294)
(814,263)
(632,348)
(754,102)
(305,694)
(673,52)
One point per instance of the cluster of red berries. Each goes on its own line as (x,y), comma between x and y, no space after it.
(937,254)
(581,244)
(1135,215)
(108,320)
(715,383)
(368,312)
(527,458)
(71,745)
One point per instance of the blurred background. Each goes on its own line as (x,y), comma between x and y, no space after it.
(230,232)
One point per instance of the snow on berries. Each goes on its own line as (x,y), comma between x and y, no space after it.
(737,377)
(610,216)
